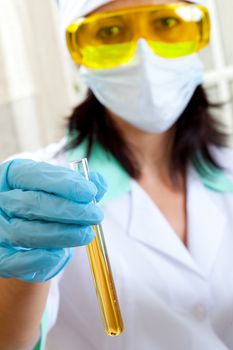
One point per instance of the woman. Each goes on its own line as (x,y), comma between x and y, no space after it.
(168,212)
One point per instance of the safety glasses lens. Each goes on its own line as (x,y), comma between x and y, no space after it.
(109,40)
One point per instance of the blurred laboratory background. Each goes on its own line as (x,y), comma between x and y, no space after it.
(39,86)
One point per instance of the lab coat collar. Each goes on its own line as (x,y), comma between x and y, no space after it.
(120,182)
(206,226)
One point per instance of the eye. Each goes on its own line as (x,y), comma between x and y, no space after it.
(167,23)
(110,32)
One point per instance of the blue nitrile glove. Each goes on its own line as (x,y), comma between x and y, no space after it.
(44,211)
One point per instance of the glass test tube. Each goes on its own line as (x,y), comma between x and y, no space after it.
(101,272)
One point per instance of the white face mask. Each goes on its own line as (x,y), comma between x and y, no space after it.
(150,92)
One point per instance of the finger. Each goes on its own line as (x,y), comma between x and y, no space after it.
(33,176)
(37,205)
(100,184)
(39,234)
(37,265)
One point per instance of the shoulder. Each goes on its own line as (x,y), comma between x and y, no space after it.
(53,153)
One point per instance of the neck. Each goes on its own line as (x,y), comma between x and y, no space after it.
(152,151)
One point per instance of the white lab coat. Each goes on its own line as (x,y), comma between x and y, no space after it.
(171,297)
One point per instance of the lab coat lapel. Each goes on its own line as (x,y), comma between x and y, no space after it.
(149,227)
(206,223)
(206,226)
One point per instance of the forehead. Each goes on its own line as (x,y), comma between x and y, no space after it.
(120,4)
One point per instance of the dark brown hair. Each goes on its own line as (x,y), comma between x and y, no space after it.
(196,130)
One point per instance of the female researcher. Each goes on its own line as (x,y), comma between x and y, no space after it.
(168,212)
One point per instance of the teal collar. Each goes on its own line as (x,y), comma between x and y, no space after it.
(212,177)
(119,182)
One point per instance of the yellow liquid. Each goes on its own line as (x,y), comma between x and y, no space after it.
(105,288)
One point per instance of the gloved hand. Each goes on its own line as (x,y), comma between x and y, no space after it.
(44,211)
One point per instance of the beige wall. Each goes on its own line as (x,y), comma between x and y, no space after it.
(35,83)
(35,90)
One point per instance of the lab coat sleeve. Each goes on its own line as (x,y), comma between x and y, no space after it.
(52,154)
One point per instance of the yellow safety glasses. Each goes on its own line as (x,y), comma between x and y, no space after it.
(109,39)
